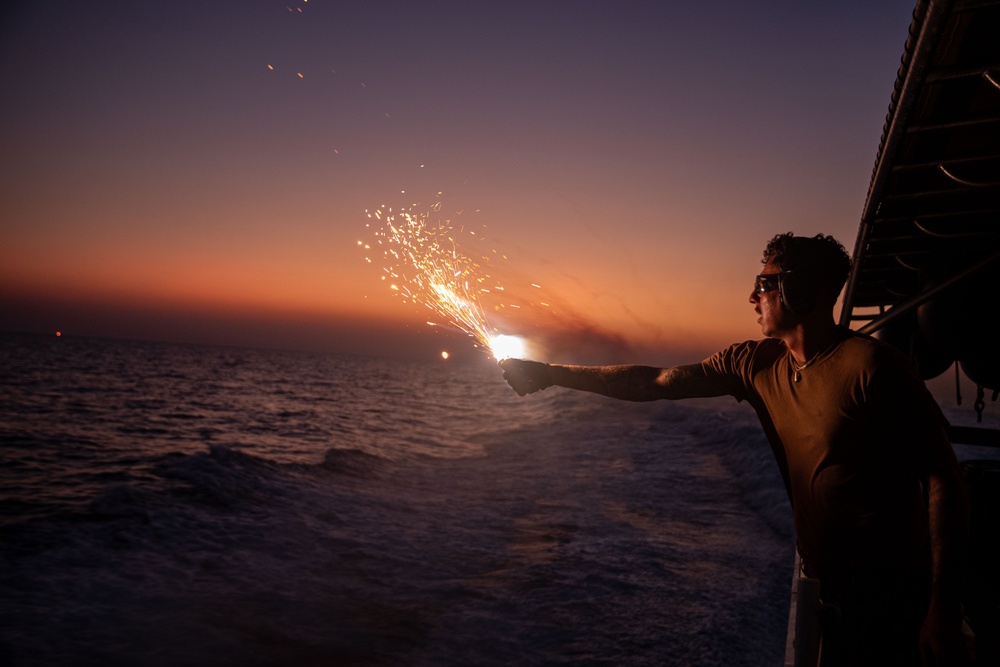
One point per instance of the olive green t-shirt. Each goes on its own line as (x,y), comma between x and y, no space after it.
(851,439)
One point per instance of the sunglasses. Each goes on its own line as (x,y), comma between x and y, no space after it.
(766,283)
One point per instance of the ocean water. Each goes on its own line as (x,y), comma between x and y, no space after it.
(180,505)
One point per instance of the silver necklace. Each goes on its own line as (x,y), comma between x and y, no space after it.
(797,374)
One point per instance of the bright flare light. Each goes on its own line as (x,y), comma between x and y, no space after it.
(508,347)
(426,266)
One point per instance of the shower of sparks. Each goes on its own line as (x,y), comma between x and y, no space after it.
(425,265)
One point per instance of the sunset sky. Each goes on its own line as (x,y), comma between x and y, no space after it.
(200,171)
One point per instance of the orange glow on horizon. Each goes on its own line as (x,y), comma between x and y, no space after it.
(576,297)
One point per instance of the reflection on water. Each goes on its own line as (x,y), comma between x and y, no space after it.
(171,505)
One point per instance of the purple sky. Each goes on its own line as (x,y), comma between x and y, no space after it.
(167,173)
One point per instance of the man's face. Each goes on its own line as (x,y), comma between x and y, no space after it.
(772,317)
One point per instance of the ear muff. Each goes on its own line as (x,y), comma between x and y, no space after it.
(797,293)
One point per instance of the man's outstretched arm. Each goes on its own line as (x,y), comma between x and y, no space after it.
(628,383)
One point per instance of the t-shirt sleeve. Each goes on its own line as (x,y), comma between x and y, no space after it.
(731,368)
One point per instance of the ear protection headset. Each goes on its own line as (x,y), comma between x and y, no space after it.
(797,292)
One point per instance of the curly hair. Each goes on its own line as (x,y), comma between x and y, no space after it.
(821,259)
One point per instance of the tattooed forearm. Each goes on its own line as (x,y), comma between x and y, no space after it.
(633,382)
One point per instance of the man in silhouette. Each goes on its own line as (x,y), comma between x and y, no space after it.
(879,506)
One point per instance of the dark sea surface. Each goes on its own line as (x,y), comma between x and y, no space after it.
(180,505)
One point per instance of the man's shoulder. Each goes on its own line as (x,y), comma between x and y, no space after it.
(752,352)
(881,363)
(758,344)
(871,348)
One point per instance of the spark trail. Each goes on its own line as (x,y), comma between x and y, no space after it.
(425,265)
